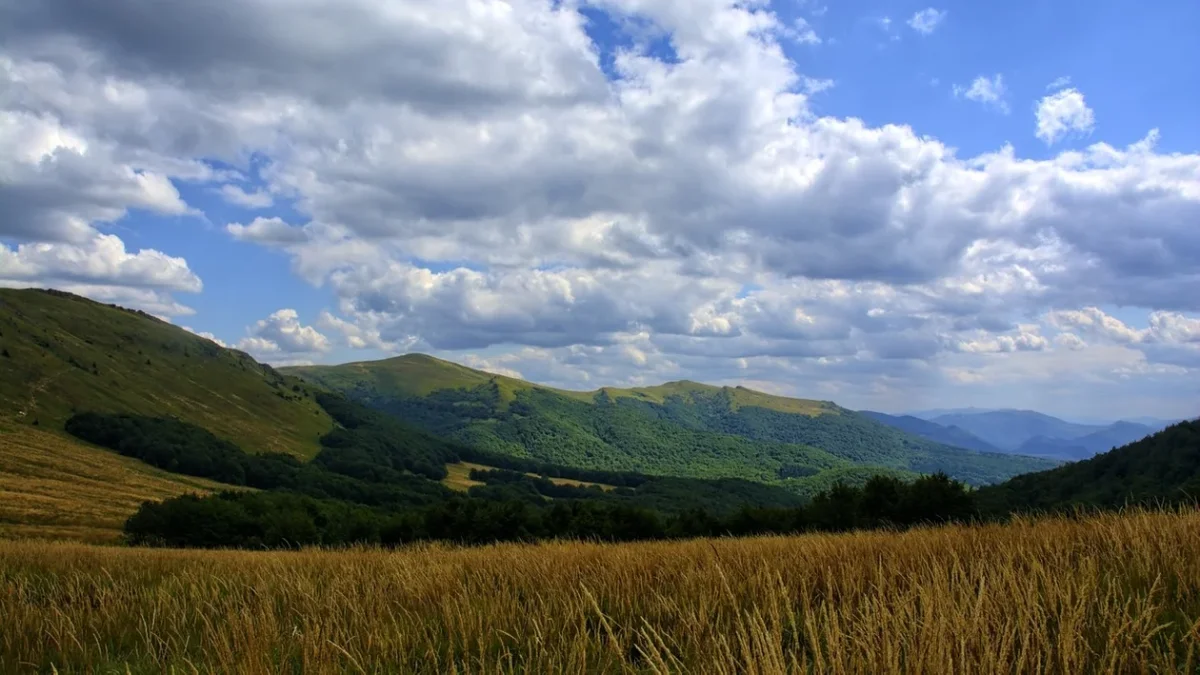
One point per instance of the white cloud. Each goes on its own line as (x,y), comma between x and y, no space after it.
(1094,321)
(1062,114)
(101,260)
(801,31)
(1070,341)
(362,333)
(810,85)
(250,200)
(55,184)
(1026,339)
(282,333)
(693,213)
(926,20)
(990,91)
(272,231)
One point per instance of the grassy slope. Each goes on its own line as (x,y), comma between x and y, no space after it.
(68,354)
(678,428)
(1111,594)
(53,486)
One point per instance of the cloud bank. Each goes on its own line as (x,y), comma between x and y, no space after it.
(497,181)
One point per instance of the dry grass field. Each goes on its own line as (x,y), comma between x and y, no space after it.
(1110,594)
(56,487)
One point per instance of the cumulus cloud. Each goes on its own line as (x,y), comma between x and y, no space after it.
(1026,339)
(990,91)
(464,176)
(1063,113)
(102,269)
(1163,327)
(1170,339)
(249,200)
(55,184)
(283,334)
(101,260)
(363,333)
(926,20)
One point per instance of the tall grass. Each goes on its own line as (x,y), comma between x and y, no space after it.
(1108,594)
(55,486)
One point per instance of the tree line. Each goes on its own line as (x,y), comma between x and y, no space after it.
(290,520)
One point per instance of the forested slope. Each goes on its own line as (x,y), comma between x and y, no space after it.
(679,428)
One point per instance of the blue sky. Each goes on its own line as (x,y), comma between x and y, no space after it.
(811,199)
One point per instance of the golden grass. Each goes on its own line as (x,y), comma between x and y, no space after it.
(458,477)
(54,486)
(1110,594)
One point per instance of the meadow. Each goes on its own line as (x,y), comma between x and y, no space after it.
(1113,593)
(56,487)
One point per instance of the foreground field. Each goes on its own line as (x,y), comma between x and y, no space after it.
(1110,594)
(54,486)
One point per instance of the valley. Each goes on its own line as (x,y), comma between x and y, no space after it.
(402,446)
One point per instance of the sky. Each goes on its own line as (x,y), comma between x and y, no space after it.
(891,205)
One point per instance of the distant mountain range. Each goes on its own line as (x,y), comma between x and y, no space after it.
(1021,432)
(948,434)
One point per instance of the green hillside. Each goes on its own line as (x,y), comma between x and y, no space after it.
(1162,468)
(679,428)
(61,354)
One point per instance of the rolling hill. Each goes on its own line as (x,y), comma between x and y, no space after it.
(678,428)
(102,408)
(61,354)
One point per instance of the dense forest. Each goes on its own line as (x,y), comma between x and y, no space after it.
(1163,468)
(283,519)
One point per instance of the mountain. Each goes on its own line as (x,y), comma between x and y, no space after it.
(678,428)
(1030,433)
(60,353)
(1163,467)
(1155,423)
(1107,438)
(947,435)
(1008,429)
(938,412)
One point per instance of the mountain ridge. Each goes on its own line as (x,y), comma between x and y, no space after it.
(950,435)
(674,428)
